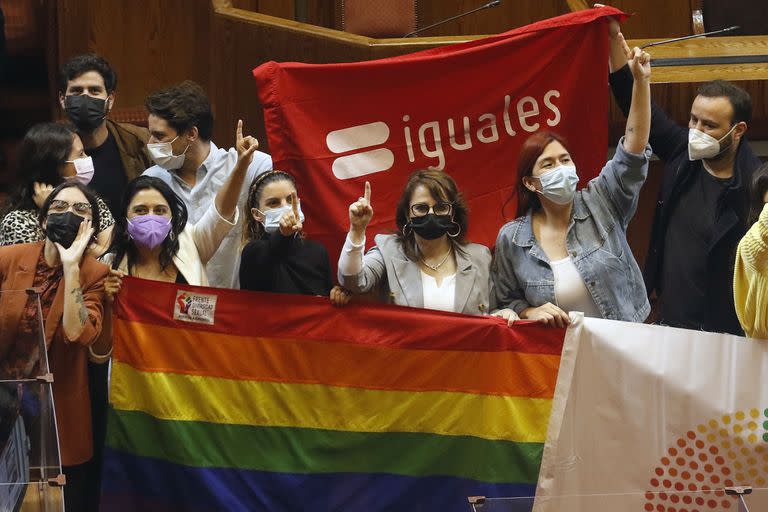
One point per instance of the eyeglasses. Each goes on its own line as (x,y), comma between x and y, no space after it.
(59,206)
(422,209)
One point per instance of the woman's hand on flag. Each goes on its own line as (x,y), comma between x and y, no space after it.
(112,283)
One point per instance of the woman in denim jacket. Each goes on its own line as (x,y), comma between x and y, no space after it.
(567,250)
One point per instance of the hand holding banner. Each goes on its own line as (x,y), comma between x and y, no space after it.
(465,109)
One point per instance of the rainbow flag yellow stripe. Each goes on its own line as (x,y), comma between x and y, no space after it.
(285,398)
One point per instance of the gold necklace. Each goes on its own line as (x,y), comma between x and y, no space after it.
(435,267)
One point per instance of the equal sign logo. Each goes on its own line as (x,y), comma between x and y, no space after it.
(356,138)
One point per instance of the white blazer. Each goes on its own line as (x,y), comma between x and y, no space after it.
(197,245)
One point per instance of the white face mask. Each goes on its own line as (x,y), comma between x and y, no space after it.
(559,184)
(84,169)
(162,154)
(701,145)
(272,217)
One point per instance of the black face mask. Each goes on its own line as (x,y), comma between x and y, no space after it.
(62,228)
(85,112)
(431,226)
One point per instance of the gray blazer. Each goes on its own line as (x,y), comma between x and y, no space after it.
(387,261)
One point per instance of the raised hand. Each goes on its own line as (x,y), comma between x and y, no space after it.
(360,214)
(73,254)
(40,192)
(639,62)
(245,146)
(290,223)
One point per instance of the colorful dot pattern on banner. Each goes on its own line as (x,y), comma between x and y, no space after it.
(722,452)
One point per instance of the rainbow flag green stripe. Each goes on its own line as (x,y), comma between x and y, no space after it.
(304,403)
(303,450)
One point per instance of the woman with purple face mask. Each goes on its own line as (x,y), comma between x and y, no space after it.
(152,238)
(49,155)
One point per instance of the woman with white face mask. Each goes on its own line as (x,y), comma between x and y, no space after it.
(50,154)
(567,250)
(276,256)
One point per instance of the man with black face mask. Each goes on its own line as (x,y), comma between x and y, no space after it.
(87,93)
(702,209)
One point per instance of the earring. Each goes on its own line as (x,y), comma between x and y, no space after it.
(458,230)
(408,233)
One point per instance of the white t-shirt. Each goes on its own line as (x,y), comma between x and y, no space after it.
(571,293)
(441,298)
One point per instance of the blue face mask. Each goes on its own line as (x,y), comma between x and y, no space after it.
(272,217)
(559,184)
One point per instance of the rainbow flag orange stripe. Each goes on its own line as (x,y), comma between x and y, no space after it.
(284,402)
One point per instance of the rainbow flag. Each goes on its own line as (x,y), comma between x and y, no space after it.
(231,400)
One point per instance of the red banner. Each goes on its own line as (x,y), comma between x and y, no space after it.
(465,109)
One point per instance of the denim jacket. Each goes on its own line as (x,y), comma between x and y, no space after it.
(596,242)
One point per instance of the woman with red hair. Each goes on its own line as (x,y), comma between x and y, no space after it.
(567,250)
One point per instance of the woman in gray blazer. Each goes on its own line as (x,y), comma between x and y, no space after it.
(427,263)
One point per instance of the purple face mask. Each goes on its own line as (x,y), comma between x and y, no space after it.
(149,230)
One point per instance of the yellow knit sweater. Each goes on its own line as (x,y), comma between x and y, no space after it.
(750,280)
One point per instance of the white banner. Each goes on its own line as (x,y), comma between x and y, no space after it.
(652,418)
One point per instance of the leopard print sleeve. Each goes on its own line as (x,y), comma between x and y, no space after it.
(20,227)
(105,216)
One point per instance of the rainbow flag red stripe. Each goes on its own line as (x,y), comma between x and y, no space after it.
(286,403)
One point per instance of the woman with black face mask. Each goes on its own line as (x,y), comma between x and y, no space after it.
(427,263)
(69,287)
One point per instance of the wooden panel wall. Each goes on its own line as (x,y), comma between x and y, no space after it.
(655,18)
(508,15)
(278,8)
(150,44)
(144,43)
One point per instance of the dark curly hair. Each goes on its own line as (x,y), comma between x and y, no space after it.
(183,106)
(81,64)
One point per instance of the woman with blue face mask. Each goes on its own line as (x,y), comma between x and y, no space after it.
(567,250)
(276,256)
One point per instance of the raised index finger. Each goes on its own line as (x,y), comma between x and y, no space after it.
(295,204)
(625,46)
(239,131)
(367,194)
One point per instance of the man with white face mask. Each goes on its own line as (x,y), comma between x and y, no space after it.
(180,127)
(702,207)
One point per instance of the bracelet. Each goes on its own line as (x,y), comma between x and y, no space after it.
(99,358)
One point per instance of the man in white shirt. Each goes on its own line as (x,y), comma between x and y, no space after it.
(180,126)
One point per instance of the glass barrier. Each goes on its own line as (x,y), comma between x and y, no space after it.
(30,469)
(744,499)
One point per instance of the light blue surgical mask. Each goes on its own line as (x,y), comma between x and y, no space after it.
(272,217)
(559,184)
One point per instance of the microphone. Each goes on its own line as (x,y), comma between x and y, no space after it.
(685,38)
(489,5)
